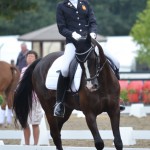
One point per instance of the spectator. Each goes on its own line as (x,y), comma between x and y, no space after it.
(21,59)
(36,114)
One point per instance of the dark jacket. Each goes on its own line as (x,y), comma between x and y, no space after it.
(70,19)
(21,60)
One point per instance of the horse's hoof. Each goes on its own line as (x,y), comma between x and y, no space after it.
(99,145)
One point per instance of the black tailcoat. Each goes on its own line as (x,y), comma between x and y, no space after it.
(70,19)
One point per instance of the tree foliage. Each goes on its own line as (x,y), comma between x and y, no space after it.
(141,34)
(114,17)
(9,8)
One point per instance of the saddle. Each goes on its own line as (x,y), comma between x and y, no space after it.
(75,73)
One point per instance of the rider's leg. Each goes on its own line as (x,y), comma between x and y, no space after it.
(62,83)
(117,64)
(114,61)
(122,105)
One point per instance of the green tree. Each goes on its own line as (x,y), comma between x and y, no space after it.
(9,8)
(26,21)
(141,34)
(114,17)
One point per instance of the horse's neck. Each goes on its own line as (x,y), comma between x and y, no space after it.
(103,60)
(106,71)
(101,54)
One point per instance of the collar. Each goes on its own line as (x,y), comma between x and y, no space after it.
(66,1)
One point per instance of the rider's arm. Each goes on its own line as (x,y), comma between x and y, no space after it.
(63,30)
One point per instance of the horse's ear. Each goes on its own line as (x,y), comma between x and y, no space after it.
(94,42)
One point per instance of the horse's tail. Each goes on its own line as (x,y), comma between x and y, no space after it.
(14,82)
(15,76)
(23,96)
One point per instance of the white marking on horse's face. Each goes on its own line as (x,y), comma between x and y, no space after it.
(88,83)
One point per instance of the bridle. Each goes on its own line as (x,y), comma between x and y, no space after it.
(98,67)
(98,70)
(87,53)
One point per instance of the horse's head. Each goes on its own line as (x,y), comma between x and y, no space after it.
(88,59)
(83,49)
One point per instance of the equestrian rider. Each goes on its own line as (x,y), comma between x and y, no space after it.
(75,18)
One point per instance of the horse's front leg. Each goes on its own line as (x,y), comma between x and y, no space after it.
(115,121)
(91,122)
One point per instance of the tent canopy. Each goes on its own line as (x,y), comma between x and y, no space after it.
(49,33)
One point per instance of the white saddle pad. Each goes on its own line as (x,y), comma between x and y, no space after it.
(52,76)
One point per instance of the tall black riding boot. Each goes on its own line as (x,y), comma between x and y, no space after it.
(122,106)
(62,86)
(117,73)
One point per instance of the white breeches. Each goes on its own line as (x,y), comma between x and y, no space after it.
(111,56)
(69,54)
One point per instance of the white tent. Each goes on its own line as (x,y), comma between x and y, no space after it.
(10,48)
(124,49)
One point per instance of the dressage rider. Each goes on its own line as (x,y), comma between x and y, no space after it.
(75,18)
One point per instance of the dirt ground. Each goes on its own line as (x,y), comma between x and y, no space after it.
(103,123)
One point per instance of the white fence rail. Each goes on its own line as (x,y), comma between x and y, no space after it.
(17,147)
(76,134)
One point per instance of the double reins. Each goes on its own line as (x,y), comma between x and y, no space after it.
(98,67)
(87,53)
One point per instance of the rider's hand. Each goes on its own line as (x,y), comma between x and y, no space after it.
(93,35)
(76,36)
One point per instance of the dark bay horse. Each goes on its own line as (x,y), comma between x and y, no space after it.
(91,103)
(9,78)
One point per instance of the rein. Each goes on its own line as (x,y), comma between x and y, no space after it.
(83,56)
(86,52)
(99,69)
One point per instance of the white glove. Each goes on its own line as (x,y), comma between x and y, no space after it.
(76,36)
(93,35)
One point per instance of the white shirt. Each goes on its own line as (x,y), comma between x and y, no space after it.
(74,3)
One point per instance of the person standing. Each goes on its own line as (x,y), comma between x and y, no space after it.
(75,18)
(21,59)
(36,114)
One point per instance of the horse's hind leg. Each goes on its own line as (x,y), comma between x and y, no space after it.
(91,122)
(54,131)
(9,111)
(56,124)
(115,121)
(61,121)
(2,114)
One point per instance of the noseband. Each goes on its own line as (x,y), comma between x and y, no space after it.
(98,70)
